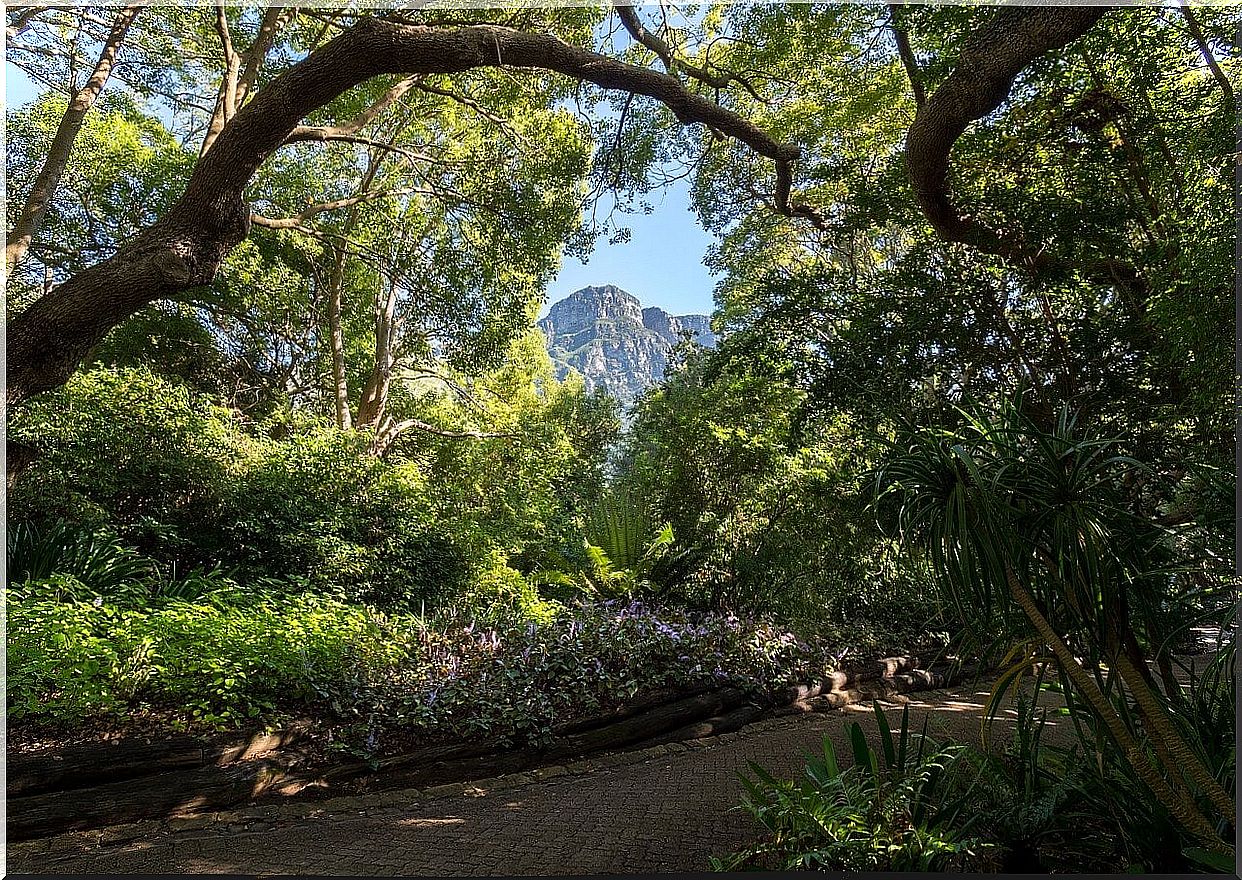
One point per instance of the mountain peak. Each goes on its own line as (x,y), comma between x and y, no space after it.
(604,333)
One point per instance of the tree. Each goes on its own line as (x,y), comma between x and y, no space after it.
(43,189)
(187,245)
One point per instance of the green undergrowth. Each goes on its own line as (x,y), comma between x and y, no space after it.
(217,663)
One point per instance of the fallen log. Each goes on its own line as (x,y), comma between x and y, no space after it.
(163,794)
(92,764)
(95,763)
(714,726)
(652,723)
(641,703)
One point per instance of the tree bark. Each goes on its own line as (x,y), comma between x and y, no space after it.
(185,247)
(44,188)
(906,54)
(1196,33)
(374,400)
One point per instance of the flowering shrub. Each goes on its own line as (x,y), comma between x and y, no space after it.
(456,675)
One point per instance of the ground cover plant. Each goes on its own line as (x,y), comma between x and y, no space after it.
(221,662)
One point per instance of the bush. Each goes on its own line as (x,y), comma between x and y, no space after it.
(884,813)
(210,663)
(165,472)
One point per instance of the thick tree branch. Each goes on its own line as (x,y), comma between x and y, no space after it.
(186,246)
(307,213)
(238,80)
(273,20)
(391,429)
(992,58)
(43,190)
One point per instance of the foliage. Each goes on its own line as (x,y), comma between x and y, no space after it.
(38,553)
(1031,535)
(448,675)
(769,513)
(619,552)
(192,485)
(883,813)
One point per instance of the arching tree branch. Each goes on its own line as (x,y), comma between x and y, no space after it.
(185,247)
(1196,33)
(989,63)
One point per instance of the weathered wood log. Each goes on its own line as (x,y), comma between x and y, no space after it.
(714,726)
(641,703)
(94,763)
(648,724)
(98,763)
(849,677)
(162,794)
(649,721)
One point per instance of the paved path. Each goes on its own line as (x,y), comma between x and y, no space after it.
(663,814)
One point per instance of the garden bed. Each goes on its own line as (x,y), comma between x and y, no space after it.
(92,786)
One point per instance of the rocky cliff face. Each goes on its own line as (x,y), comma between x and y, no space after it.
(606,335)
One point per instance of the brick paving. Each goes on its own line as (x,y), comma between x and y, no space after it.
(644,814)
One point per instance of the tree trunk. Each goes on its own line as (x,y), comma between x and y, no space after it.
(237,82)
(1160,727)
(374,402)
(44,188)
(340,383)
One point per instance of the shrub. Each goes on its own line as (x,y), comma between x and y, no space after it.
(884,813)
(217,664)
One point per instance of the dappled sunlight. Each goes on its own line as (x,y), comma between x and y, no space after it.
(920,389)
(431,822)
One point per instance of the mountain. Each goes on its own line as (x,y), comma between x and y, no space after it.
(606,335)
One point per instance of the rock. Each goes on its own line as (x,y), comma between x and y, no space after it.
(605,334)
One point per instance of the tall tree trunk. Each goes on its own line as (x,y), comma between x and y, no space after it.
(44,188)
(336,286)
(1160,727)
(375,395)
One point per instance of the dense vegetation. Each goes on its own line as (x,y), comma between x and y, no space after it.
(973,385)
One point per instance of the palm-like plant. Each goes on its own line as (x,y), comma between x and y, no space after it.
(1029,535)
(621,547)
(95,559)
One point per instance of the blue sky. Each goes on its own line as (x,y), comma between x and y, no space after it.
(661,264)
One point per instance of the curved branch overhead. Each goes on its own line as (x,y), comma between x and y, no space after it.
(186,247)
(990,61)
